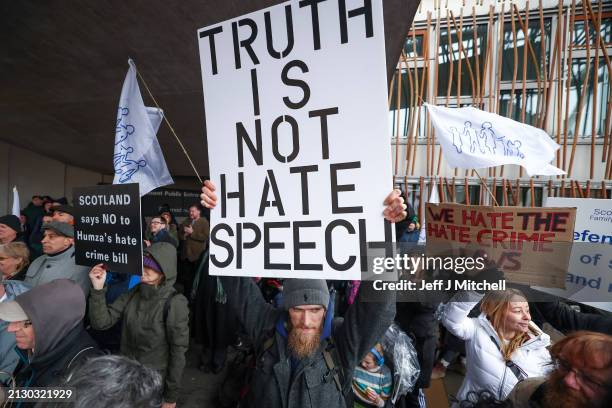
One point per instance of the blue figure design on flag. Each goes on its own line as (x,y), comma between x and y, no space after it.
(484,141)
(488,137)
(469,135)
(122,163)
(457,140)
(512,149)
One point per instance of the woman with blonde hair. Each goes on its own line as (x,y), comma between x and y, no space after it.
(503,345)
(14,260)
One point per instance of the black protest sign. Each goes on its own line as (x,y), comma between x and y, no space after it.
(176,200)
(108,227)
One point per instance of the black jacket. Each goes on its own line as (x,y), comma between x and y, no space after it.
(565,319)
(56,310)
(417,320)
(310,384)
(53,368)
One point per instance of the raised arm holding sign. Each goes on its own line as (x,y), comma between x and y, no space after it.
(298,169)
(294,341)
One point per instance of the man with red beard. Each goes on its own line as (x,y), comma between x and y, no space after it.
(582,377)
(301,361)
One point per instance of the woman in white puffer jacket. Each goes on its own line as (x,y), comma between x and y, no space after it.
(503,345)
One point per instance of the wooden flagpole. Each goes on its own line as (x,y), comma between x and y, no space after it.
(169,126)
(595,84)
(484,183)
(583,93)
(500,55)
(542,107)
(568,81)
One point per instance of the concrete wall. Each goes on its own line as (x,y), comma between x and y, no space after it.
(33,173)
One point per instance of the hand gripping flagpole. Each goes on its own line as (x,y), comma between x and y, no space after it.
(169,125)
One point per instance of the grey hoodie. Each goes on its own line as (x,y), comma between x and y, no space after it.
(56,310)
(8,355)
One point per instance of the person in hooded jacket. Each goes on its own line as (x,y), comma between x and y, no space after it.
(9,290)
(155,325)
(503,346)
(47,322)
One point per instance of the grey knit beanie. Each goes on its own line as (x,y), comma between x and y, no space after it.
(298,292)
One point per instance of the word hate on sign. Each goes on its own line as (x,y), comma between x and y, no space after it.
(301,160)
(108,227)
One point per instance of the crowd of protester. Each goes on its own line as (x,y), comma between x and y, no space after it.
(120,340)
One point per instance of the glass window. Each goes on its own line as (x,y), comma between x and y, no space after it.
(405,100)
(419,42)
(588,110)
(580,33)
(444,58)
(473,191)
(531,95)
(535,37)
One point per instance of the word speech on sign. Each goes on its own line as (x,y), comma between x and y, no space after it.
(298,144)
(531,245)
(108,227)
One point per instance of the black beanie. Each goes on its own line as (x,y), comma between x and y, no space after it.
(12,222)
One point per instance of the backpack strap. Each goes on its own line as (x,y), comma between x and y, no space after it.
(167,305)
(516,370)
(330,355)
(267,345)
(332,361)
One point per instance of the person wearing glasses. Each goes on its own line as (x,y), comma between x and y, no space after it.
(582,375)
(47,324)
(9,290)
(158,232)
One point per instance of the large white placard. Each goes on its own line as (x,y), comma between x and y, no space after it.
(296,119)
(589,278)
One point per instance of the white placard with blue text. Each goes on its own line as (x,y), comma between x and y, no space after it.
(589,278)
(302,198)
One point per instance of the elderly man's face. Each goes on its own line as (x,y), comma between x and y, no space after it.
(54,243)
(7,234)
(306,328)
(24,334)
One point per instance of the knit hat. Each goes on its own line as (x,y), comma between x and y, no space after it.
(12,222)
(65,208)
(299,292)
(149,262)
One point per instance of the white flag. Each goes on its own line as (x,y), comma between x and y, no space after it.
(138,157)
(16,206)
(434,198)
(474,139)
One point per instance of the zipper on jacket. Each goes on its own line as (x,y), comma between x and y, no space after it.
(501,386)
